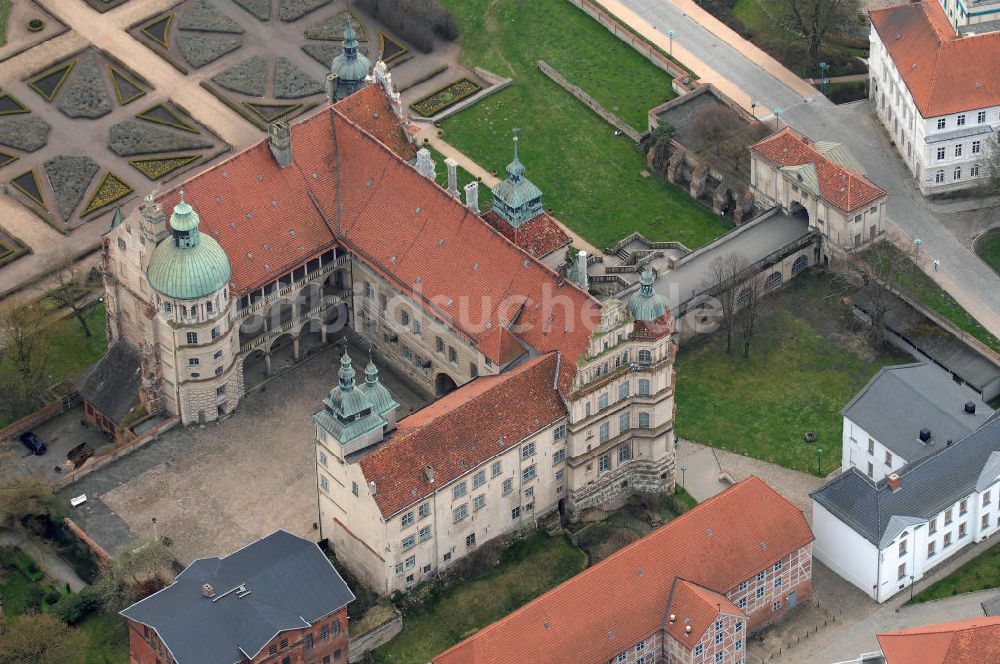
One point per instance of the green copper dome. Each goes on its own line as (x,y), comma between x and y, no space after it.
(645,304)
(382,402)
(187,265)
(350,66)
(348,412)
(516,198)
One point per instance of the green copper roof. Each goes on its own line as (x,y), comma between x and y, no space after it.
(382,402)
(348,412)
(187,265)
(516,198)
(351,65)
(646,304)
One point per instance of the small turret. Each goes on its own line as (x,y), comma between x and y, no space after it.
(646,304)
(350,67)
(517,199)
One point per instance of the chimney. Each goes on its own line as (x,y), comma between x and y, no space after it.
(279,138)
(371,487)
(206,590)
(155,220)
(581,266)
(472,197)
(687,629)
(925,435)
(970,408)
(452,167)
(673,617)
(429,474)
(894,481)
(425,166)
(331,88)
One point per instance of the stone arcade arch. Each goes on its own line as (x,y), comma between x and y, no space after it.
(444,384)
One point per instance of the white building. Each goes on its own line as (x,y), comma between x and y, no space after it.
(971,12)
(884,536)
(905,413)
(936,91)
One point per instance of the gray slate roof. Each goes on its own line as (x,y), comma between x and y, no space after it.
(289,585)
(112,386)
(899,401)
(929,485)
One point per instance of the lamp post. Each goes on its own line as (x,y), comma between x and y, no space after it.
(911,587)
(777,118)
(822,76)
(819,461)
(753,107)
(670,34)
(154,528)
(683,471)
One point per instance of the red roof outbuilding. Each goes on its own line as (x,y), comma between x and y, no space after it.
(975,641)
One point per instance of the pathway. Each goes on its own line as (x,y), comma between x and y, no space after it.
(55,567)
(700,38)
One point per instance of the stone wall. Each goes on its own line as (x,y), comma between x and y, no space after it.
(590,102)
(375,637)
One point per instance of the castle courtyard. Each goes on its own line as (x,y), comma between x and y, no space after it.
(214,488)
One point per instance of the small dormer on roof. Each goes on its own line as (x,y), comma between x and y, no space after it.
(348,412)
(516,198)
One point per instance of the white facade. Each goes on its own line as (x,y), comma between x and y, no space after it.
(971,12)
(943,153)
(862,451)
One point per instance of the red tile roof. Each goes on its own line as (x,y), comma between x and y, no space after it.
(842,187)
(622,599)
(423,241)
(539,236)
(458,432)
(697,606)
(653,329)
(370,109)
(944,71)
(975,641)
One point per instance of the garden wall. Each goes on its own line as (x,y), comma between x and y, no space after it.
(375,637)
(496,84)
(590,102)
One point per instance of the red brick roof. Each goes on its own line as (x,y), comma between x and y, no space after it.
(622,599)
(975,641)
(370,109)
(697,606)
(407,228)
(840,186)
(944,71)
(458,432)
(539,236)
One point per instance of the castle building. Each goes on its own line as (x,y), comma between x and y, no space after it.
(326,224)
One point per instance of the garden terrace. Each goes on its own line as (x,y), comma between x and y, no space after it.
(82,134)
(592,181)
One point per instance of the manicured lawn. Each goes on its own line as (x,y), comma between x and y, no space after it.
(4,15)
(106,639)
(528,569)
(804,366)
(464,178)
(589,178)
(988,248)
(981,573)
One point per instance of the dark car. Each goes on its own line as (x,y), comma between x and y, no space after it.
(33,443)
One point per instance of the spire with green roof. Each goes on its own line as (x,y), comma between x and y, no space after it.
(350,67)
(646,304)
(516,198)
(348,414)
(382,402)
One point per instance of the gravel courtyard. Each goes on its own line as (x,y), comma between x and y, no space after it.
(216,488)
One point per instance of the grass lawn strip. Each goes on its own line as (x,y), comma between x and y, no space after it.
(529,568)
(988,249)
(980,573)
(590,179)
(805,364)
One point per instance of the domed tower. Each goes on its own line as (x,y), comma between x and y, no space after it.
(645,304)
(189,272)
(350,67)
(349,417)
(517,199)
(382,402)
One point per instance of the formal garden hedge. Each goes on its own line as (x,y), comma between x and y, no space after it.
(24,133)
(129,138)
(69,176)
(247,77)
(86,94)
(445,97)
(292,10)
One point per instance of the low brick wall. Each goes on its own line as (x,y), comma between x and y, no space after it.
(375,637)
(43,414)
(589,102)
(98,550)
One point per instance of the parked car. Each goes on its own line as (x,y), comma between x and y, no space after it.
(33,443)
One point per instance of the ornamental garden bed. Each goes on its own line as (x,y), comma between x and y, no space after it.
(26,25)
(445,97)
(104,5)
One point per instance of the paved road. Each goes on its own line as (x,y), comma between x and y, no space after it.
(962,274)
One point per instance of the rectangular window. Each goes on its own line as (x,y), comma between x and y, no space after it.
(459,490)
(324,631)
(962,530)
(977,147)
(452,354)
(742,603)
(408,542)
(624,453)
(888,458)
(559,433)
(698,650)
(605,432)
(460,512)
(208,307)
(776,606)
(528,450)
(778,565)
(439,344)
(479,502)
(602,401)
(743,586)
(217,355)
(985,523)
(931,546)
(963,506)
(425,533)
(479,479)
(529,493)
(942,123)
(604,463)
(623,390)
(470,540)
(193,362)
(957,175)
(407,353)
(974,171)
(639,647)
(192,338)
(759,592)
(515,514)
(559,475)
(960,120)
(369,290)
(473,369)
(528,473)
(559,456)
(739,627)
(424,510)
(167,307)
(981,117)
(986,498)
(644,387)
(406,520)
(777,582)
(643,420)
(508,486)
(958,150)
(947,540)
(324,483)
(624,422)
(947,517)
(411,562)
(354,488)
(940,153)
(496,469)
(901,572)
(902,548)
(761,576)
(939,177)
(416,327)
(932,526)
(871,447)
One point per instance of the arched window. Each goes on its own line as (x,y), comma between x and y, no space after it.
(743,297)
(773,281)
(800,264)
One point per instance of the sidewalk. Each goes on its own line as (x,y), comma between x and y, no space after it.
(55,567)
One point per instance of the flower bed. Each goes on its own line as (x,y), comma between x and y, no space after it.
(24,133)
(203,16)
(261,9)
(86,94)
(69,177)
(111,189)
(447,96)
(291,10)
(200,49)
(129,138)
(155,168)
(390,48)
(246,77)
(290,82)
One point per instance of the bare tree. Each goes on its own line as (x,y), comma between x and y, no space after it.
(725,276)
(70,293)
(142,567)
(25,497)
(714,124)
(873,275)
(749,300)
(23,364)
(815,19)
